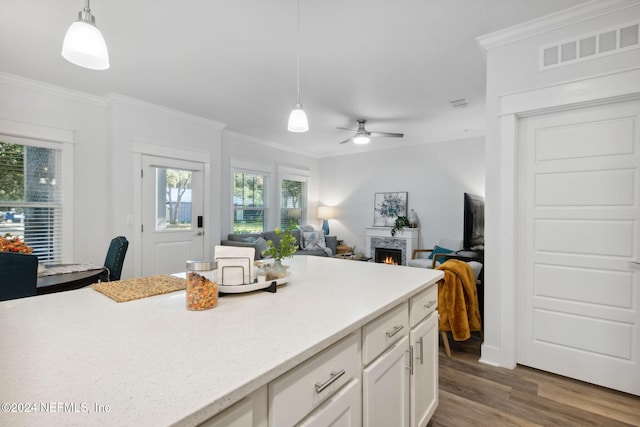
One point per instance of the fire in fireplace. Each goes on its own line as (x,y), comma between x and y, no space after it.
(388,256)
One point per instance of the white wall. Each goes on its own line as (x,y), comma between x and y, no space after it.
(131,122)
(105,131)
(33,103)
(436,175)
(512,67)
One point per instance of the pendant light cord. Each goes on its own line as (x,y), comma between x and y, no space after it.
(298,50)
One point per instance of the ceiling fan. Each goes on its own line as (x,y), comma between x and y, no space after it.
(362,135)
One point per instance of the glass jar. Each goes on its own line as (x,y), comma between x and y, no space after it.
(202,285)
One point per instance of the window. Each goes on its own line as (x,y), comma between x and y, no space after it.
(173,207)
(249,201)
(293,202)
(31,197)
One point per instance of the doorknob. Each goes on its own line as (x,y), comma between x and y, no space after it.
(200,233)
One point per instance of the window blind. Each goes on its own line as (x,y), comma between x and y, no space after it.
(31,198)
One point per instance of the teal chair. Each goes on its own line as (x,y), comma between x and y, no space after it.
(115,257)
(18,275)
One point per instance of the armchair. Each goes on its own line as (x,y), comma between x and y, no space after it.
(435,257)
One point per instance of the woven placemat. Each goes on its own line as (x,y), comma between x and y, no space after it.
(132,289)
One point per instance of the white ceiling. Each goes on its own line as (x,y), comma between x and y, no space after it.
(396,63)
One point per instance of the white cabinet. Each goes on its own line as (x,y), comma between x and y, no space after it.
(251,411)
(400,378)
(297,393)
(342,410)
(385,388)
(384,374)
(424,378)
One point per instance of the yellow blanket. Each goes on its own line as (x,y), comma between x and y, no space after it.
(458,300)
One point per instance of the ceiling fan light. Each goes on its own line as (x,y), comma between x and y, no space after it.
(83,43)
(298,120)
(361,139)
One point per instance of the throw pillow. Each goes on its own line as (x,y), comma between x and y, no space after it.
(261,245)
(249,239)
(439,250)
(314,240)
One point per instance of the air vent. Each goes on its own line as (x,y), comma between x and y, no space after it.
(590,46)
(459,103)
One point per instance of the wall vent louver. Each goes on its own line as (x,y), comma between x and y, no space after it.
(590,46)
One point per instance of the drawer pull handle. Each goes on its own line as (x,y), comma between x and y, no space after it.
(334,377)
(430,304)
(421,357)
(395,330)
(410,367)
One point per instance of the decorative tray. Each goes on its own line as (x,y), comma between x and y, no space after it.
(237,289)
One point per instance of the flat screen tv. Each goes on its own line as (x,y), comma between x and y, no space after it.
(473,235)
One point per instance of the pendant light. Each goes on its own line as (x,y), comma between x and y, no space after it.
(298,118)
(83,44)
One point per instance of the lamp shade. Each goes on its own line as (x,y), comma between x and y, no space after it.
(298,120)
(84,46)
(325,212)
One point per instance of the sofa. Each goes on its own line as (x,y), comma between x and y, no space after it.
(309,246)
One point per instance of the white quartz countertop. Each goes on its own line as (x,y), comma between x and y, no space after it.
(80,358)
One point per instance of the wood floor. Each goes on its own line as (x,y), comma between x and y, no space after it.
(475,394)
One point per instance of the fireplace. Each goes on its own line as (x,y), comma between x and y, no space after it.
(388,256)
(404,241)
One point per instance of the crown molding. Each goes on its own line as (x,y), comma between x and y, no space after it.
(264,143)
(551,22)
(49,89)
(117,99)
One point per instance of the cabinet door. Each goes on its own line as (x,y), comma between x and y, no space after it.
(385,388)
(424,381)
(248,412)
(342,410)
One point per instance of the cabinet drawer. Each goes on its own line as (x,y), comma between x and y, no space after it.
(297,393)
(423,304)
(380,333)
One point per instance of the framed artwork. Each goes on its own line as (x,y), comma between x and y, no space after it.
(387,207)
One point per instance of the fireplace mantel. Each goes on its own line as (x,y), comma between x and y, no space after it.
(407,238)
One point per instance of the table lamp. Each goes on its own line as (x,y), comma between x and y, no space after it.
(326,213)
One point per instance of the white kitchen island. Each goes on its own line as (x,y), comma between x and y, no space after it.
(80,358)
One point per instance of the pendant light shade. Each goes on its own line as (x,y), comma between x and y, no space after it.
(84,45)
(298,118)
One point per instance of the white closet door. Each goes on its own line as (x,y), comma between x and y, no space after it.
(579,244)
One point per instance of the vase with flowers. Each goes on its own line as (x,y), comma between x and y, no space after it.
(285,249)
(389,208)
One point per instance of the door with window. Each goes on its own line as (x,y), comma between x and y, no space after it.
(579,214)
(172,214)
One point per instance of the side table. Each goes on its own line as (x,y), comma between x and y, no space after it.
(343,249)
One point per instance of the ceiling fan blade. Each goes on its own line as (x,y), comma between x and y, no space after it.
(347,140)
(386,134)
(350,130)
